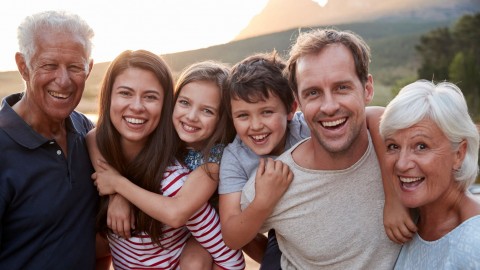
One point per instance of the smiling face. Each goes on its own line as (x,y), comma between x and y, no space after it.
(196,112)
(136,105)
(333,99)
(56,80)
(422,161)
(262,125)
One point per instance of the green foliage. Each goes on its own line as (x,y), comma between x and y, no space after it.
(466,74)
(454,55)
(436,50)
(399,84)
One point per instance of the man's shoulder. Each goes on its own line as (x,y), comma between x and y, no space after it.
(81,123)
(286,155)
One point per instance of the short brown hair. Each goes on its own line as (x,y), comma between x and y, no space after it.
(315,40)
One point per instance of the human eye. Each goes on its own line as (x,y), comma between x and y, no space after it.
(241,116)
(391,147)
(124,93)
(49,66)
(311,93)
(208,111)
(151,97)
(267,112)
(76,68)
(183,102)
(421,146)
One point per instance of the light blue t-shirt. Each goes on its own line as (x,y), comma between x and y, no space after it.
(458,249)
(239,161)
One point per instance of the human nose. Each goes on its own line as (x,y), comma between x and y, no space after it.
(62,77)
(256,123)
(404,161)
(329,104)
(191,115)
(137,104)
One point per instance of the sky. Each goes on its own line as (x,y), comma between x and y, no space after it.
(161,26)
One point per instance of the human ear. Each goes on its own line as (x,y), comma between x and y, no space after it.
(293,109)
(460,155)
(90,66)
(368,89)
(22,66)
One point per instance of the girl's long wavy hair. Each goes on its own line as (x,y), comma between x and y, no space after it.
(208,71)
(147,168)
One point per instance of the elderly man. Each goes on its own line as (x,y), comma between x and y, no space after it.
(47,200)
(331,215)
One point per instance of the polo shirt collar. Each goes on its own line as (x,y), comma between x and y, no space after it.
(17,129)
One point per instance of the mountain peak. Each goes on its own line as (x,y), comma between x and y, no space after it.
(281,15)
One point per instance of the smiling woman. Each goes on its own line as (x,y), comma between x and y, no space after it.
(432,154)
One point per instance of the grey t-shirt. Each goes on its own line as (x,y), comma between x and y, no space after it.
(239,161)
(331,219)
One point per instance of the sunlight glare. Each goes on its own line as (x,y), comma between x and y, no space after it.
(162,27)
(321,2)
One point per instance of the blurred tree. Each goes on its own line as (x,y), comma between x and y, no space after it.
(436,51)
(400,83)
(465,72)
(464,69)
(454,55)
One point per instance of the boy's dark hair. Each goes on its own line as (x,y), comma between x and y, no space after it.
(256,78)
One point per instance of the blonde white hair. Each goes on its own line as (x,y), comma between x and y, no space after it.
(52,21)
(445,105)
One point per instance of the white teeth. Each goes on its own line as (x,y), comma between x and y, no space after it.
(57,95)
(259,137)
(134,120)
(189,128)
(334,123)
(409,179)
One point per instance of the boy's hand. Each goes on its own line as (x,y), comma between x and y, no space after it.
(272,180)
(398,222)
(120,218)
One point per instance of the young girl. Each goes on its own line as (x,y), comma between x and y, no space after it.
(137,138)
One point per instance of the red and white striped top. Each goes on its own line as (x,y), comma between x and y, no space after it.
(140,252)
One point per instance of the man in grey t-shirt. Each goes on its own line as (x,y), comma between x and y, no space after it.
(331,215)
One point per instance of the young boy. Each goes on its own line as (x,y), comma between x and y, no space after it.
(263,109)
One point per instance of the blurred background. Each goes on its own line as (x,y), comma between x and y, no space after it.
(430,39)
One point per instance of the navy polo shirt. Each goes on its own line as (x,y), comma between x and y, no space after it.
(47,200)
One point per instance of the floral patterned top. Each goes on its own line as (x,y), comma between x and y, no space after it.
(194,158)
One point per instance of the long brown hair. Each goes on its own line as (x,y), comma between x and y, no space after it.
(147,168)
(208,71)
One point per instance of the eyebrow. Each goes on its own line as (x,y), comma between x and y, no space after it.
(149,91)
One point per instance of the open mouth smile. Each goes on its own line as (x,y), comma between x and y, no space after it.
(410,182)
(333,124)
(189,128)
(58,95)
(259,138)
(135,121)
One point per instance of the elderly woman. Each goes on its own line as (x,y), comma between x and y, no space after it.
(432,153)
